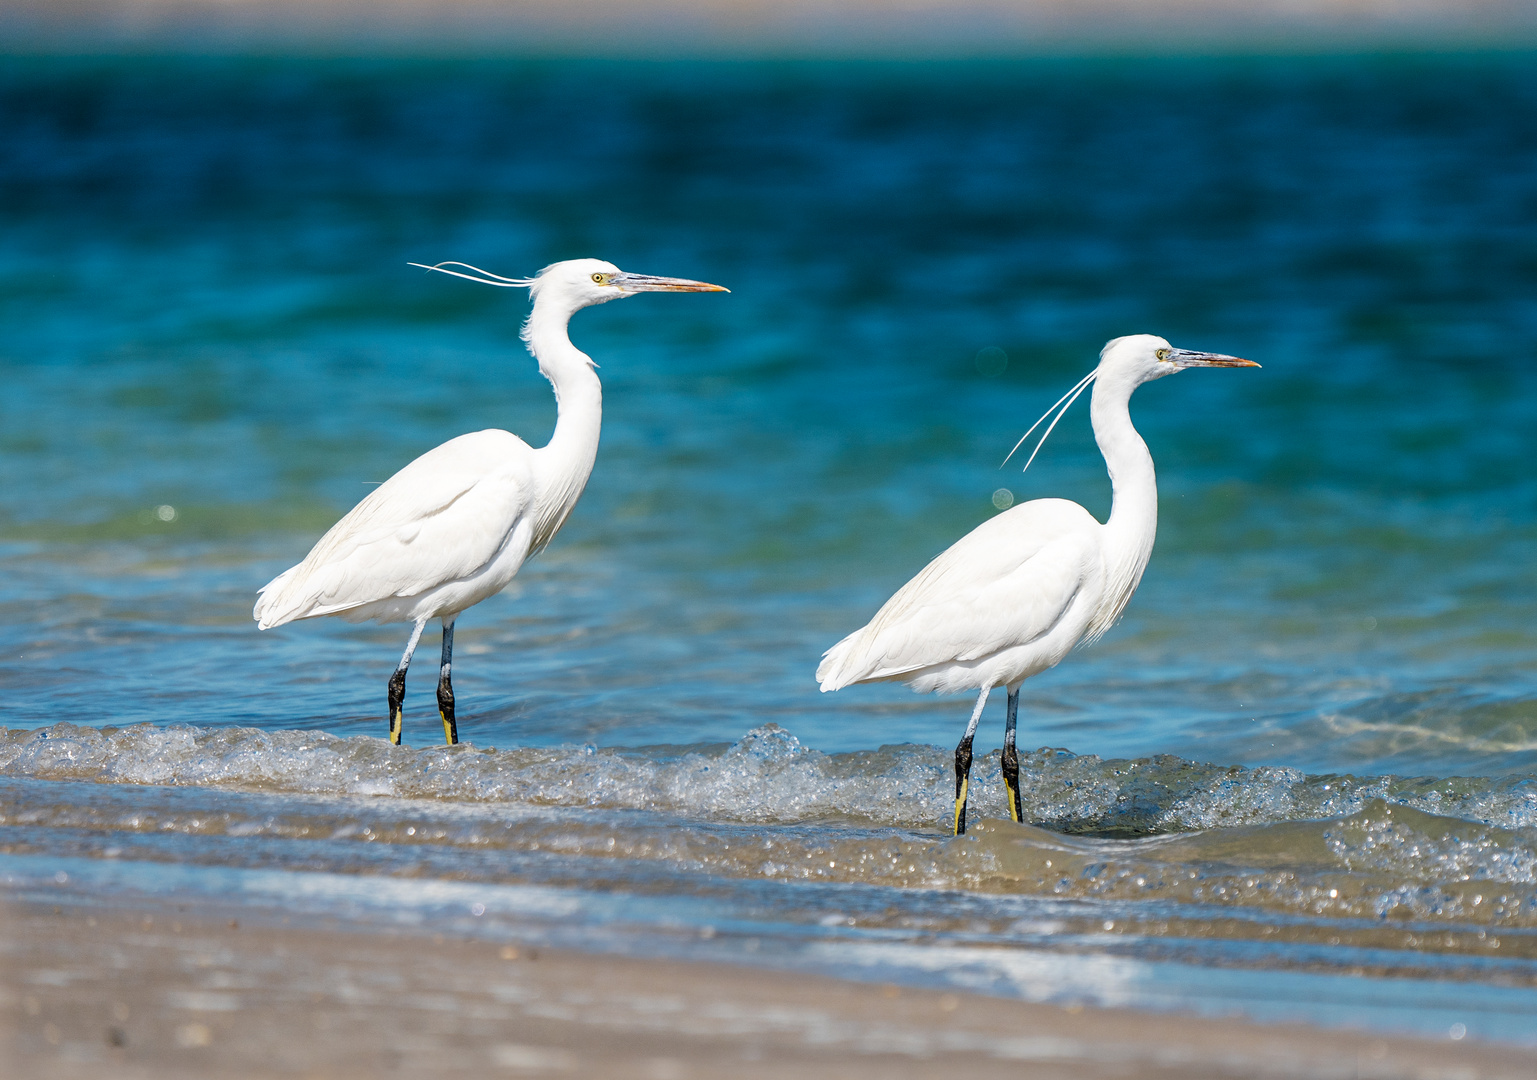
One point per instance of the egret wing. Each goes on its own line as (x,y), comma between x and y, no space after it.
(441,518)
(1005,583)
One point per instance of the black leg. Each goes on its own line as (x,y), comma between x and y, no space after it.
(963,764)
(398,685)
(962,780)
(397,698)
(1011,759)
(446,687)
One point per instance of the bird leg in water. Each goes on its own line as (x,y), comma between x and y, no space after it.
(963,763)
(1011,758)
(446,688)
(398,685)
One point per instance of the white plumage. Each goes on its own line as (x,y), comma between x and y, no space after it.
(440,535)
(1015,595)
(1016,581)
(454,526)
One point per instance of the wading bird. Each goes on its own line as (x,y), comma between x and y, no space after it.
(455,525)
(1013,597)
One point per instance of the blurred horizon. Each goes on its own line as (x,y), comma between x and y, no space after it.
(747,29)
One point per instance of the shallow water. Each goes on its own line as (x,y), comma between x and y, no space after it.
(1310,747)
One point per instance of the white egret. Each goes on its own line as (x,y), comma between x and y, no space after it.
(454,526)
(1013,597)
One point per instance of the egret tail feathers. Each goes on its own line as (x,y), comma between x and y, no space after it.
(853,660)
(831,672)
(294,595)
(271,609)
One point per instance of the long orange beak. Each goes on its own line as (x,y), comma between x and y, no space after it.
(647,283)
(1185,358)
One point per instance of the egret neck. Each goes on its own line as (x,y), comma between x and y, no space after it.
(566,460)
(1134,503)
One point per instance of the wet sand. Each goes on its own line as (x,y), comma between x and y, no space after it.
(202,990)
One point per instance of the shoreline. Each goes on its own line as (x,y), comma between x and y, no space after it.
(842,29)
(198,988)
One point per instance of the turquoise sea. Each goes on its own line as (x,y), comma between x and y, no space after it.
(1298,780)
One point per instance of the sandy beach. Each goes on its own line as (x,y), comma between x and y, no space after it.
(199,990)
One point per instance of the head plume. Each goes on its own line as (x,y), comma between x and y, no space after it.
(485,277)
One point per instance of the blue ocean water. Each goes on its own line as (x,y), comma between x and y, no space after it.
(213,345)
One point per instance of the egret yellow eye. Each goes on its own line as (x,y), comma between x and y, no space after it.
(1162,354)
(601,279)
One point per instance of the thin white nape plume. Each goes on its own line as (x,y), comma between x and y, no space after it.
(486,278)
(1069,397)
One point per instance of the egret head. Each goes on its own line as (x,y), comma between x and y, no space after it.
(1142,358)
(577,283)
(584,282)
(1125,363)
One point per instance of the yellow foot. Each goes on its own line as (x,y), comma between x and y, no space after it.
(960,809)
(450,729)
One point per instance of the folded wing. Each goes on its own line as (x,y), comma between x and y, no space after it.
(440,519)
(1006,583)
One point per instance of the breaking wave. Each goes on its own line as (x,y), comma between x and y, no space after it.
(766,776)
